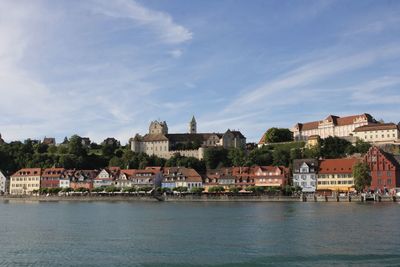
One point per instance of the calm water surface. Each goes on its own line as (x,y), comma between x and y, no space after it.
(199,234)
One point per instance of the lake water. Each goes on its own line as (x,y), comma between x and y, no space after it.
(199,234)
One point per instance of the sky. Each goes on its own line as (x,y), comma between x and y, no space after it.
(101,68)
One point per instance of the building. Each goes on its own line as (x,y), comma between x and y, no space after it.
(336,175)
(25,181)
(85,141)
(82,178)
(331,126)
(219,177)
(51,177)
(381,133)
(192,144)
(124,179)
(305,174)
(106,177)
(181,177)
(384,168)
(148,177)
(4,184)
(50,141)
(271,176)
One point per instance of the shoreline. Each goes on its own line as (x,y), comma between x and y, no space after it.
(191,198)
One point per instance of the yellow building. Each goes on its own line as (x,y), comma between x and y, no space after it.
(336,175)
(25,181)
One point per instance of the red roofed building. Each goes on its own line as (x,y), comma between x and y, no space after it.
(331,126)
(271,176)
(25,181)
(384,167)
(336,175)
(51,177)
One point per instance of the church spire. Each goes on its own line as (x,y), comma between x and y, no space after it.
(193,126)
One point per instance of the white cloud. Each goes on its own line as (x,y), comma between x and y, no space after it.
(319,69)
(177,53)
(162,23)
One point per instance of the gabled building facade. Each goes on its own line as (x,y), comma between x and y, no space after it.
(181,177)
(305,174)
(384,168)
(106,177)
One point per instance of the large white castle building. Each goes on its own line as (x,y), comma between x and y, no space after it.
(160,143)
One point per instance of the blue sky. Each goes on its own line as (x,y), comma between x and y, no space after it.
(103,68)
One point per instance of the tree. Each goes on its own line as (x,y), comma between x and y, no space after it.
(237,156)
(281,157)
(216,157)
(276,135)
(75,146)
(197,190)
(334,147)
(362,176)
(362,147)
(216,189)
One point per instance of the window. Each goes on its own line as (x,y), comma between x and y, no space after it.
(379,173)
(388,174)
(379,181)
(389,181)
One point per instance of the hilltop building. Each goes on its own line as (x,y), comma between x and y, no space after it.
(160,143)
(332,126)
(381,133)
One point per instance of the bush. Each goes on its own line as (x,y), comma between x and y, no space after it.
(129,189)
(145,188)
(112,189)
(81,189)
(235,190)
(180,189)
(98,189)
(197,190)
(216,189)
(256,189)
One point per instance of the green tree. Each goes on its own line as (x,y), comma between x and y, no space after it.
(197,190)
(362,176)
(362,147)
(75,146)
(216,157)
(276,135)
(281,157)
(216,189)
(237,156)
(334,147)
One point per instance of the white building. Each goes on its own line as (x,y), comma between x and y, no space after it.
(181,177)
(3,184)
(305,174)
(378,133)
(64,183)
(106,177)
(331,126)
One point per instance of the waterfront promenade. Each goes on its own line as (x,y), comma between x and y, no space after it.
(202,198)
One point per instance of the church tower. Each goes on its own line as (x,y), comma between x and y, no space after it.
(193,126)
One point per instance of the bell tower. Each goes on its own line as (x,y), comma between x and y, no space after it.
(193,126)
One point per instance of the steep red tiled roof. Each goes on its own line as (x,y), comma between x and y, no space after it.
(328,166)
(53,172)
(336,120)
(28,172)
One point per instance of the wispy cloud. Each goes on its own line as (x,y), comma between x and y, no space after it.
(162,23)
(319,69)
